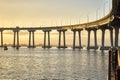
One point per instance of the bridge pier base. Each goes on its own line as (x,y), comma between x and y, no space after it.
(1,38)
(46,46)
(64,42)
(74,38)
(31,36)
(95,38)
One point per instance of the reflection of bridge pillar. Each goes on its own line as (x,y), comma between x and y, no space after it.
(31,38)
(116,36)
(46,31)
(1,38)
(95,38)
(16,42)
(64,42)
(74,38)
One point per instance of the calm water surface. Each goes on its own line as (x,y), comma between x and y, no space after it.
(52,64)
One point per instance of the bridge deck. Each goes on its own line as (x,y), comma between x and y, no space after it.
(31,28)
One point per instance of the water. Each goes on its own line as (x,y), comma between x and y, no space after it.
(52,64)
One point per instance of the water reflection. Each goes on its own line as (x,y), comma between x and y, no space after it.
(49,64)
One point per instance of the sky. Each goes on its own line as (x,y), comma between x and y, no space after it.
(30,13)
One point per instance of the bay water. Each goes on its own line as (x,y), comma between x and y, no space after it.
(53,64)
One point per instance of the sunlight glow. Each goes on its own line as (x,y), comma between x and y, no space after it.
(51,12)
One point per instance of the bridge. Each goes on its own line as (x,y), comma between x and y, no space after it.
(109,22)
(114,64)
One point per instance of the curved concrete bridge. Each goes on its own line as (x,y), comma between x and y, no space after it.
(110,22)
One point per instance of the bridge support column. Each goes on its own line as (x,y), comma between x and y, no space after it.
(74,38)
(46,46)
(103,47)
(79,33)
(95,38)
(116,36)
(59,39)
(31,38)
(64,42)
(103,38)
(111,37)
(1,38)
(44,39)
(16,40)
(89,31)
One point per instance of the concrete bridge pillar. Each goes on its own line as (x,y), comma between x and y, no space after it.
(103,38)
(95,38)
(1,38)
(46,31)
(103,47)
(31,38)
(116,36)
(64,42)
(74,38)
(111,36)
(16,40)
(89,31)
(79,34)
(59,39)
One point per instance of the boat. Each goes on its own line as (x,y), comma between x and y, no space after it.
(5,47)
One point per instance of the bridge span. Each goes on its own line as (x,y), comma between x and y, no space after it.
(109,22)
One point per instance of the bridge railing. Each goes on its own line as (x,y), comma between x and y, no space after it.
(114,64)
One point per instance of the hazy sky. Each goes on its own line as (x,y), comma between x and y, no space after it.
(49,12)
